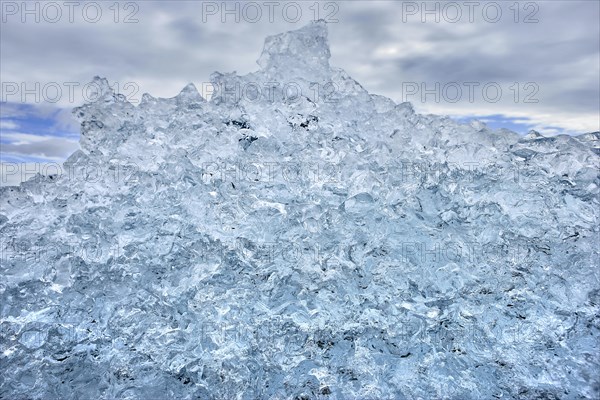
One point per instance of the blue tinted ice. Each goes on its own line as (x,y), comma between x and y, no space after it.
(297,237)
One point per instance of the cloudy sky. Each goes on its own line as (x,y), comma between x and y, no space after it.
(525,65)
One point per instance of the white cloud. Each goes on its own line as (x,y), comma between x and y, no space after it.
(51,148)
(8,124)
(18,138)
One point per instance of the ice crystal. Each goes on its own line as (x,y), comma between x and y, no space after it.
(297,237)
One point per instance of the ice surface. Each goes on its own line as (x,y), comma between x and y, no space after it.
(297,237)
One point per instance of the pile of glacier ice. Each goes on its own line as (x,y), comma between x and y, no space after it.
(298,237)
